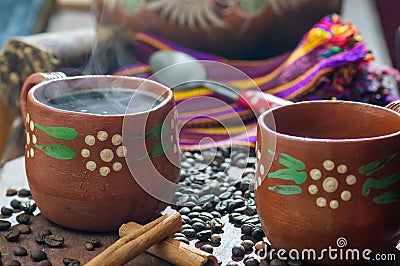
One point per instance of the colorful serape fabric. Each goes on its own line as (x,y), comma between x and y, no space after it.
(330,62)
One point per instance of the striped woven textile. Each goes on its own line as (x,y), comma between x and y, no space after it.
(326,64)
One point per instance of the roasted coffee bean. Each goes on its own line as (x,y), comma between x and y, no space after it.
(257,233)
(277,262)
(182,239)
(205,216)
(4,225)
(238,251)
(260,245)
(196,209)
(232,216)
(207,248)
(184,211)
(196,220)
(178,234)
(16,204)
(6,211)
(12,263)
(69,261)
(44,263)
(89,246)
(23,228)
(23,218)
(216,214)
(204,235)
(54,241)
(38,255)
(215,239)
(185,219)
(198,226)
(225,195)
(193,215)
(94,241)
(20,251)
(11,192)
(251,262)
(186,226)
(250,210)
(189,233)
(232,263)
(207,207)
(247,244)
(24,193)
(12,235)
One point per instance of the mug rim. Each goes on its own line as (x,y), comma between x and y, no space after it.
(164,100)
(262,124)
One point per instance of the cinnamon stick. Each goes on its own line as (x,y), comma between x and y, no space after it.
(136,242)
(173,251)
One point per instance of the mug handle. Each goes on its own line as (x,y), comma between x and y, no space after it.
(30,82)
(395,106)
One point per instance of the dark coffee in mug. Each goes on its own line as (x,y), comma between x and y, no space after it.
(114,101)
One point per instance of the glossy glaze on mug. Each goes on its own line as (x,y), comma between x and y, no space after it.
(76,162)
(326,170)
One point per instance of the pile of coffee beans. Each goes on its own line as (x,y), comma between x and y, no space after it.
(216,189)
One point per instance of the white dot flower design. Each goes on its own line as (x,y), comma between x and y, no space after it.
(31,138)
(108,156)
(330,183)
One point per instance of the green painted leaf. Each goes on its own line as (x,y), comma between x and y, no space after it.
(132,5)
(288,161)
(375,166)
(386,197)
(63,133)
(289,174)
(154,133)
(286,190)
(57,151)
(157,150)
(379,183)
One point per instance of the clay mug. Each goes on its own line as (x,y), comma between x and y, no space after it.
(328,177)
(93,150)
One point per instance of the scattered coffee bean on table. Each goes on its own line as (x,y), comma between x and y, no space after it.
(247,244)
(12,235)
(54,241)
(15,204)
(250,261)
(23,218)
(89,246)
(238,251)
(23,193)
(38,255)
(69,261)
(20,251)
(277,262)
(23,228)
(4,225)
(207,248)
(94,241)
(11,192)
(6,211)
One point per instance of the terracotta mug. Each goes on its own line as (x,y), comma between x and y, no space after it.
(328,177)
(92,149)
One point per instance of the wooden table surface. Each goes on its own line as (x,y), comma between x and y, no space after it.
(12,175)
